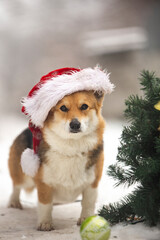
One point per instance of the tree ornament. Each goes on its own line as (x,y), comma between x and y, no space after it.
(157,106)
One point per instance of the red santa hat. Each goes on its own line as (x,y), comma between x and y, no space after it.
(47,93)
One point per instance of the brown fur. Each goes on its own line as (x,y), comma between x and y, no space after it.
(100,160)
(99,169)
(94,155)
(19,145)
(45,192)
(78,99)
(43,148)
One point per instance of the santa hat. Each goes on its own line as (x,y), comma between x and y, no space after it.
(47,93)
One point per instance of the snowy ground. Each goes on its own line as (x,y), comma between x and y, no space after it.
(21,224)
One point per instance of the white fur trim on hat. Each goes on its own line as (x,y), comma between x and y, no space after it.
(29,162)
(52,91)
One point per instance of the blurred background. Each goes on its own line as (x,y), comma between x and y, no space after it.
(39,36)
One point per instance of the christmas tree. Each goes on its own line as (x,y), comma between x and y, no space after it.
(138,159)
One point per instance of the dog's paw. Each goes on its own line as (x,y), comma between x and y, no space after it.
(80,220)
(15,204)
(45,226)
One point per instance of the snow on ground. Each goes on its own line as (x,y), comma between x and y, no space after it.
(21,224)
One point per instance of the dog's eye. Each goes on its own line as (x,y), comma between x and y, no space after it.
(84,107)
(64,108)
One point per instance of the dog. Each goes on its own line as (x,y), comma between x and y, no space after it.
(71,157)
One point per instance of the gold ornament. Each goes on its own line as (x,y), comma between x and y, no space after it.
(157,106)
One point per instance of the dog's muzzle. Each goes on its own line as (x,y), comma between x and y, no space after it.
(75,126)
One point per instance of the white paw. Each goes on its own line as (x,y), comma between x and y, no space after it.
(15,204)
(45,226)
(80,220)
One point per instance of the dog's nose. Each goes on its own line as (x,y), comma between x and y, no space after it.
(75,124)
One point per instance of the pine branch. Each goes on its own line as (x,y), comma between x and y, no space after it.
(135,108)
(150,86)
(121,175)
(146,202)
(117,212)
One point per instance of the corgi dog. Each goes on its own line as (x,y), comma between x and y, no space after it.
(65,107)
(71,155)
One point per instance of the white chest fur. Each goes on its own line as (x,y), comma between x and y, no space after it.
(65,169)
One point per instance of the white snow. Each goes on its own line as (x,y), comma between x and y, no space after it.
(21,224)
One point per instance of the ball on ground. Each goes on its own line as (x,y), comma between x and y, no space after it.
(95,228)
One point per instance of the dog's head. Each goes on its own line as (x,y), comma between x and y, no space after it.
(76,115)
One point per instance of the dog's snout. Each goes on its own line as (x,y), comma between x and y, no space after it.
(75,124)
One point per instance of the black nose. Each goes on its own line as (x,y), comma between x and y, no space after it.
(75,125)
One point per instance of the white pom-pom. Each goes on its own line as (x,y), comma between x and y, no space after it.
(29,162)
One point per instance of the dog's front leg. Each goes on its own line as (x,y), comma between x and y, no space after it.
(45,197)
(88,203)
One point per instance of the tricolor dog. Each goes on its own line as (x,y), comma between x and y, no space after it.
(61,153)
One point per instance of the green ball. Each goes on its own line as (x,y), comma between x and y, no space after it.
(95,228)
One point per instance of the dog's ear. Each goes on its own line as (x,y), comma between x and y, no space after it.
(98,95)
